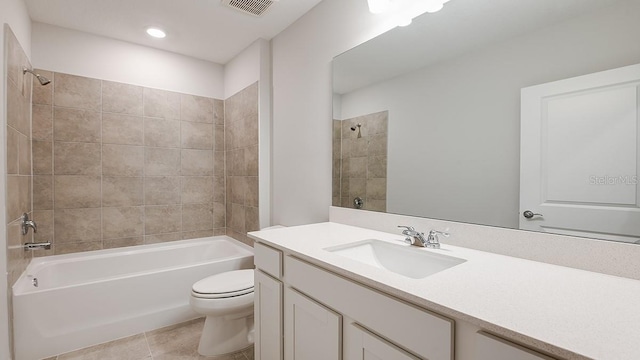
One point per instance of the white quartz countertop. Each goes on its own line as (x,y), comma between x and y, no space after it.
(569,313)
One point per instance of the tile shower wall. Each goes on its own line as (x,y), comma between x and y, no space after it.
(121,165)
(241,135)
(18,151)
(360,164)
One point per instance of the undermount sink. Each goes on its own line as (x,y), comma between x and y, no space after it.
(408,261)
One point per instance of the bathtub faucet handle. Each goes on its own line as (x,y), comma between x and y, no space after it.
(26,224)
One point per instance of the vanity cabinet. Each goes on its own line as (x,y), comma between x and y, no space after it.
(489,347)
(268,303)
(367,346)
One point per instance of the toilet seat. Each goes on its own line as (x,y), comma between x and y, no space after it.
(225,285)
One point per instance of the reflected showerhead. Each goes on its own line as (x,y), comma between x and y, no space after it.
(43,80)
(353,128)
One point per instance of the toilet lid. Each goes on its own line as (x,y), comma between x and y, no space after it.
(227,284)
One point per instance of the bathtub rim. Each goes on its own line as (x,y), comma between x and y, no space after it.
(38,262)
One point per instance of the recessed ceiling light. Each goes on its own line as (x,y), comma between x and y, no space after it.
(156,33)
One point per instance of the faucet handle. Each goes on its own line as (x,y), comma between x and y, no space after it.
(409,232)
(410,228)
(433,234)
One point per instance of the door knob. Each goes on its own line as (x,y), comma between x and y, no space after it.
(529,214)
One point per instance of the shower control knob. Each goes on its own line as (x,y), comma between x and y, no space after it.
(530,214)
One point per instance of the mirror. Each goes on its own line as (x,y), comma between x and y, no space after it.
(439,108)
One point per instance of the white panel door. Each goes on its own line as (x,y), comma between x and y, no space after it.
(268,317)
(312,332)
(489,347)
(366,346)
(579,152)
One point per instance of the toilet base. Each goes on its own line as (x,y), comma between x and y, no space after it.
(223,335)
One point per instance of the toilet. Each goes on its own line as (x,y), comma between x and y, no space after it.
(226,299)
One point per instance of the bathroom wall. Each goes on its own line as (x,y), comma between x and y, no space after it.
(18,163)
(362,161)
(121,165)
(302,100)
(241,146)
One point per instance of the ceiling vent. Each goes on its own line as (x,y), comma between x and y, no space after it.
(251,7)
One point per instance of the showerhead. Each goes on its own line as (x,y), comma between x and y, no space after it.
(43,80)
(353,128)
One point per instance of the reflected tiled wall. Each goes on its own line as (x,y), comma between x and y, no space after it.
(360,164)
(18,152)
(241,135)
(120,165)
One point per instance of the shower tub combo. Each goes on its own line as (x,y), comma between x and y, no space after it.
(67,302)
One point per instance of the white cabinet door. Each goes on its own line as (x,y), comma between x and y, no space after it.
(366,346)
(580,156)
(312,332)
(489,347)
(268,317)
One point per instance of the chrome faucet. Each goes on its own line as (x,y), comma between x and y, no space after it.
(417,238)
(26,224)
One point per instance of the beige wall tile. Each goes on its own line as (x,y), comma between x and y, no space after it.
(76,158)
(163,219)
(121,98)
(238,218)
(13,140)
(197,162)
(43,192)
(17,110)
(251,161)
(118,243)
(160,238)
(197,234)
(218,232)
(77,225)
(161,162)
(161,104)
(235,165)
(375,205)
(122,191)
(76,125)
(42,157)
(77,247)
(196,135)
(122,160)
(357,187)
(252,223)
(44,219)
(18,196)
(230,136)
(376,167)
(197,189)
(238,189)
(218,134)
(377,189)
(251,197)
(162,132)
(42,122)
(219,163)
(219,189)
(358,167)
(359,147)
(197,217)
(122,129)
(43,94)
(123,222)
(77,92)
(162,190)
(377,145)
(249,133)
(218,112)
(219,215)
(250,100)
(76,191)
(196,108)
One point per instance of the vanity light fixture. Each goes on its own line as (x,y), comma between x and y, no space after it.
(405,10)
(156,33)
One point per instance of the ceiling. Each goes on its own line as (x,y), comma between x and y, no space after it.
(203,29)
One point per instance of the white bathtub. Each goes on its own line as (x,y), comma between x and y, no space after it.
(94,297)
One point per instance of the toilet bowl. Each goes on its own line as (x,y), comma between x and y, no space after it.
(226,300)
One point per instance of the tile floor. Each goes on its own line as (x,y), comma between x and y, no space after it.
(176,342)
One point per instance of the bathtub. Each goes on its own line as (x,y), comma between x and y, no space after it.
(98,296)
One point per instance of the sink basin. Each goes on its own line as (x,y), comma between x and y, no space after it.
(408,261)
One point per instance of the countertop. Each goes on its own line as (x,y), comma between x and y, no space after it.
(569,313)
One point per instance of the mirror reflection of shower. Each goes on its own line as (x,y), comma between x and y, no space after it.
(353,128)
(43,80)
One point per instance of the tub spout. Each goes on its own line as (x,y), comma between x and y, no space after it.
(34,246)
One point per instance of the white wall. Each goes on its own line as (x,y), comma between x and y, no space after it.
(251,65)
(454,128)
(14,13)
(302,101)
(74,52)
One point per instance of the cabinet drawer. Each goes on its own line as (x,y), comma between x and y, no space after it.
(489,347)
(424,333)
(268,259)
